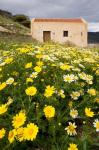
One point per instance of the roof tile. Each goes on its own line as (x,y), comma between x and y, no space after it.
(58,20)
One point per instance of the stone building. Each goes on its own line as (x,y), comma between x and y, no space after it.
(60,30)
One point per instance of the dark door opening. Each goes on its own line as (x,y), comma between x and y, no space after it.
(46,36)
(65,33)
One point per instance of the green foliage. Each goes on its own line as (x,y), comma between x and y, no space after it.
(13,26)
(52,134)
(22,19)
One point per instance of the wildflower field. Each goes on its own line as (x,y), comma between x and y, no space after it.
(49,97)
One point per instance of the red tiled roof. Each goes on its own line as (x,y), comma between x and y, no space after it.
(58,20)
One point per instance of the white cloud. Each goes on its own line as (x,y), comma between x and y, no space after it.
(89,9)
(93,27)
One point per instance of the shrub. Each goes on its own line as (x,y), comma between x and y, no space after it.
(22,19)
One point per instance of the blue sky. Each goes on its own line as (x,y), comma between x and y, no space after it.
(88,9)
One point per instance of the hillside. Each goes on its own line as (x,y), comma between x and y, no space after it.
(12,31)
(6,21)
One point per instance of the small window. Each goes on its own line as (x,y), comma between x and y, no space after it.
(65,33)
(81,34)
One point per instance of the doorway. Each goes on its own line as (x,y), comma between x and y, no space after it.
(46,36)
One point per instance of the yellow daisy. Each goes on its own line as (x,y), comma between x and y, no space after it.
(11,135)
(49,91)
(72,146)
(2,133)
(19,119)
(49,111)
(30,132)
(88,112)
(31,91)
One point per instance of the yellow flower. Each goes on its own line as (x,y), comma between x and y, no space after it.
(20,134)
(49,91)
(39,63)
(38,69)
(2,133)
(97,65)
(30,132)
(3,109)
(31,91)
(11,135)
(62,95)
(8,60)
(96,124)
(28,65)
(97,72)
(10,81)
(19,119)
(41,49)
(53,65)
(15,83)
(2,85)
(88,112)
(92,92)
(71,129)
(73,113)
(24,50)
(39,56)
(5,53)
(70,104)
(72,146)
(29,80)
(97,100)
(49,111)
(65,67)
